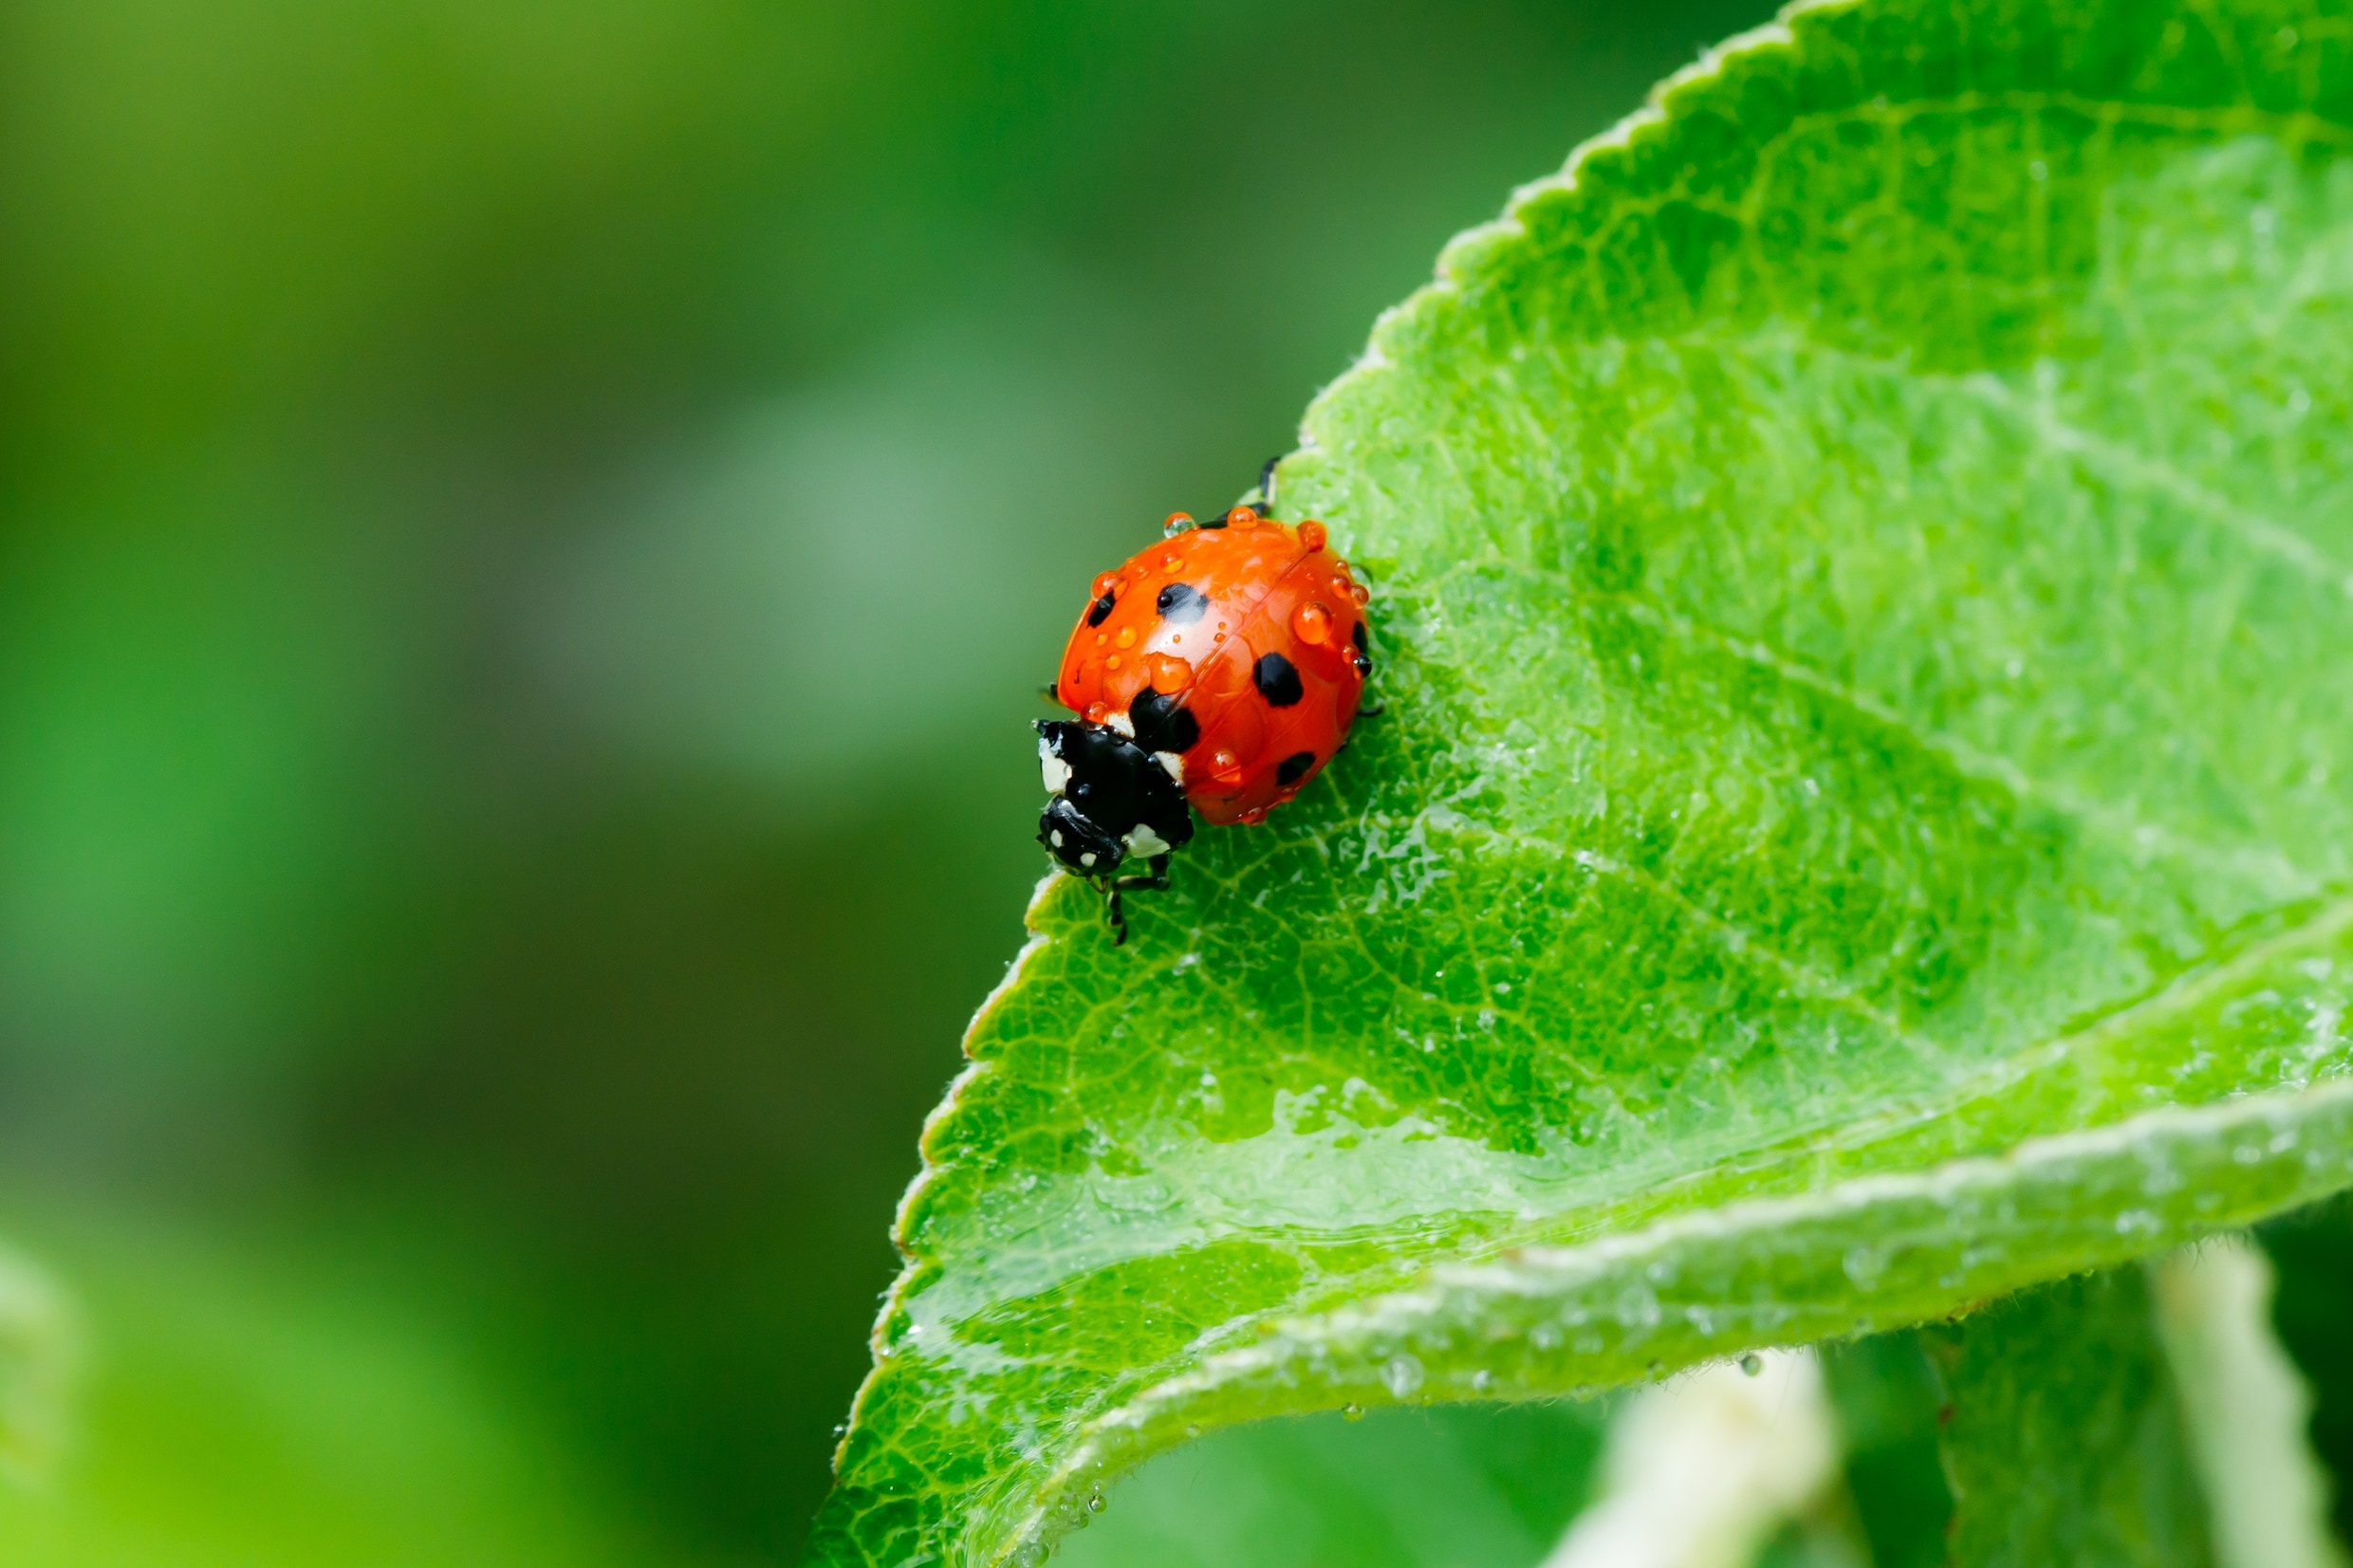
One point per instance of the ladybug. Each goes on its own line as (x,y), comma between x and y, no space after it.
(1216,671)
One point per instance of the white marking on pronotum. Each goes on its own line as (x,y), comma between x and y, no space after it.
(1174,764)
(1122,722)
(1143,840)
(1052,768)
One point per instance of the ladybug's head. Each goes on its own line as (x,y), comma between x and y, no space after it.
(1111,799)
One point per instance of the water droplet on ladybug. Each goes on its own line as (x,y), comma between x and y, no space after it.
(1360,593)
(1256,814)
(1241,517)
(1097,711)
(1170,563)
(1168,672)
(1105,583)
(1101,637)
(1127,636)
(1310,534)
(1112,663)
(1178,522)
(1312,624)
(1224,762)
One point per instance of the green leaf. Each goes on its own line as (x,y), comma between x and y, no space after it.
(1888,1401)
(40,1360)
(2066,1442)
(1469,1486)
(249,1405)
(1865,817)
(2312,1251)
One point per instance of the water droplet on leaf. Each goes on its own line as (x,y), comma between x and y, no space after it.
(1402,1377)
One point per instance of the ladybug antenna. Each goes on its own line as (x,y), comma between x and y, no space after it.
(1265,485)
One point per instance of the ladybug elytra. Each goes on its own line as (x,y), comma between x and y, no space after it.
(1216,671)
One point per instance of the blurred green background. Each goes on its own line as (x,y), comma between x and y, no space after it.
(530,534)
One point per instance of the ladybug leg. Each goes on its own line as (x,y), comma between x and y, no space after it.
(1113,914)
(1156,881)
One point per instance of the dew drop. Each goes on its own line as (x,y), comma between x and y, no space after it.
(1101,637)
(1312,536)
(1127,636)
(1360,593)
(1170,563)
(1751,1363)
(1105,583)
(1241,517)
(1095,1501)
(1031,1555)
(1352,1411)
(1178,522)
(1223,762)
(1256,814)
(1169,672)
(1097,713)
(1865,1265)
(1112,663)
(1312,624)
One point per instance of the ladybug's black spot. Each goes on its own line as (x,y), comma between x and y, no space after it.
(1293,767)
(1182,603)
(1103,608)
(1277,681)
(1162,723)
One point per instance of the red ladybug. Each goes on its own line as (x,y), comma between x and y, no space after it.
(1219,670)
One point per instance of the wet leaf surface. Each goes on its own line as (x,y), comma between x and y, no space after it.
(1860,827)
